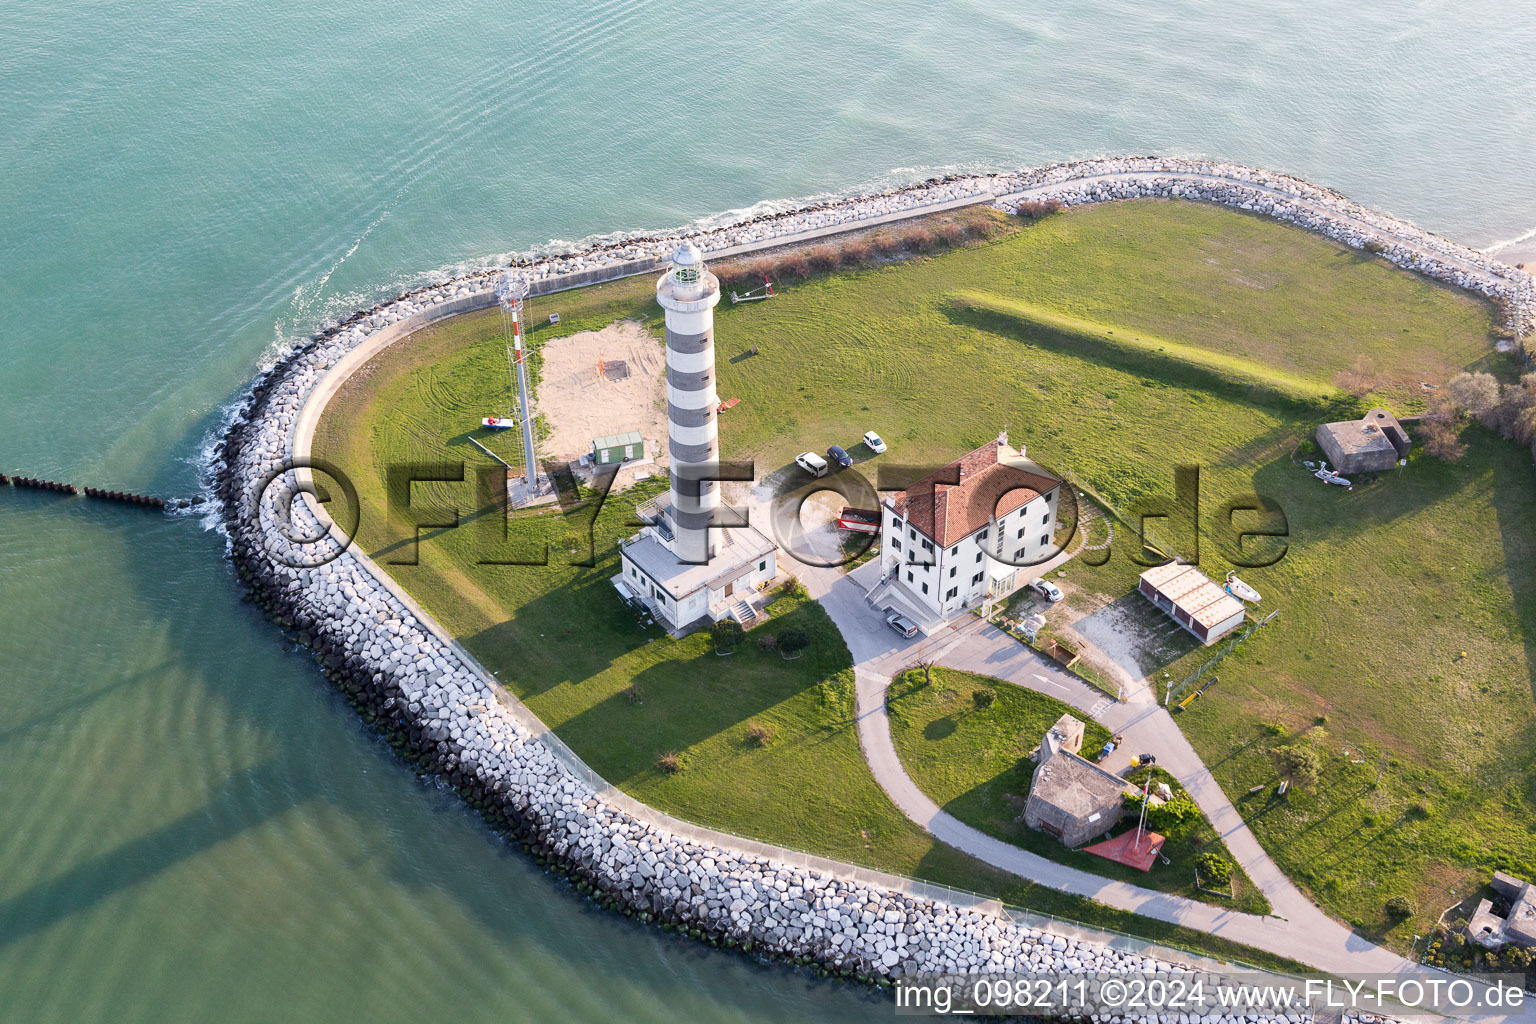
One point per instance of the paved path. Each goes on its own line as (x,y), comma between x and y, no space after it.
(1297,929)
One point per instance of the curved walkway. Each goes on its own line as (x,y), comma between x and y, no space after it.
(1297,929)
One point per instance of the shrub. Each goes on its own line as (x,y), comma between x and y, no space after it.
(1399,907)
(672,762)
(951,234)
(1375,245)
(1173,817)
(727,636)
(983,698)
(1274,729)
(1035,208)
(1214,868)
(920,239)
(1299,763)
(794,265)
(759,735)
(792,641)
(633,694)
(854,254)
(1473,393)
(885,243)
(822,258)
(792,587)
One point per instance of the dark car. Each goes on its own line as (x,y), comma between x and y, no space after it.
(837,455)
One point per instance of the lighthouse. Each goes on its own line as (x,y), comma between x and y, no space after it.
(689,293)
(684,568)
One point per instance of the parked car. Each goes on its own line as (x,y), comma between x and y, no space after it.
(1046,589)
(873,442)
(812,463)
(837,455)
(901,624)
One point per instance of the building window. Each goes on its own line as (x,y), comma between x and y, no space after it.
(1021,531)
(911,533)
(1045,519)
(955,550)
(895,544)
(981,536)
(951,593)
(977,578)
(1019,554)
(909,575)
(925,588)
(1044,541)
(928,546)
(762,566)
(978,556)
(952,570)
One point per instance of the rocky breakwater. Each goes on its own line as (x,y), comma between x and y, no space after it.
(443,712)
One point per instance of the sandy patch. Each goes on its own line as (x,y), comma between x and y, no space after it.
(581,404)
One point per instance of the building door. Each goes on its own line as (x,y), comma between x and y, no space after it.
(730,587)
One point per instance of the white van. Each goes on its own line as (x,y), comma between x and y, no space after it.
(812,463)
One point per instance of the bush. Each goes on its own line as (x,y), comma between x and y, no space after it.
(1299,763)
(822,258)
(793,588)
(795,266)
(951,234)
(672,762)
(1473,393)
(759,735)
(792,641)
(633,694)
(727,635)
(1375,245)
(1214,869)
(1173,817)
(983,698)
(1399,908)
(854,254)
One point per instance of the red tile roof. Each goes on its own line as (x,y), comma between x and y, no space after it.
(946,511)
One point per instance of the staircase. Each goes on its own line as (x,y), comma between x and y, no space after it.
(878,591)
(742,612)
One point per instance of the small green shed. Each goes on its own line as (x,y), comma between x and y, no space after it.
(617,448)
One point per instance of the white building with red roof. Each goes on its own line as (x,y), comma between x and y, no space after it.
(975,529)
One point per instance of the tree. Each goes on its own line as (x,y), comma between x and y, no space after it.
(1399,908)
(792,641)
(1359,379)
(727,636)
(1473,393)
(1441,431)
(1299,763)
(1214,868)
(983,698)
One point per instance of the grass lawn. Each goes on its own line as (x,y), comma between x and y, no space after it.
(974,763)
(1428,565)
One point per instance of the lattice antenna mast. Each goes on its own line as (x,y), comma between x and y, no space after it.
(511,289)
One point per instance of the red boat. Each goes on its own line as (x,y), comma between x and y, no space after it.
(858,520)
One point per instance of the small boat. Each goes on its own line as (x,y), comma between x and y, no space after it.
(1240,590)
(858,520)
(498,422)
(1328,476)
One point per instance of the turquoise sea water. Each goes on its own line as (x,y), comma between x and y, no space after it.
(192,827)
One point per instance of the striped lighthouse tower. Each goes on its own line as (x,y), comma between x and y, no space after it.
(688,293)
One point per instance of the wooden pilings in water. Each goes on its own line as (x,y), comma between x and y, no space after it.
(122,497)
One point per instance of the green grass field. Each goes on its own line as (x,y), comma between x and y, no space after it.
(974,763)
(1380,591)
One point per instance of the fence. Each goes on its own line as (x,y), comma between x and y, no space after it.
(1194,677)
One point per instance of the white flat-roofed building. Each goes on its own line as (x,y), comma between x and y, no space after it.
(1189,598)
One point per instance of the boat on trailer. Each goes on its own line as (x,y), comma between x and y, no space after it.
(499,422)
(858,520)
